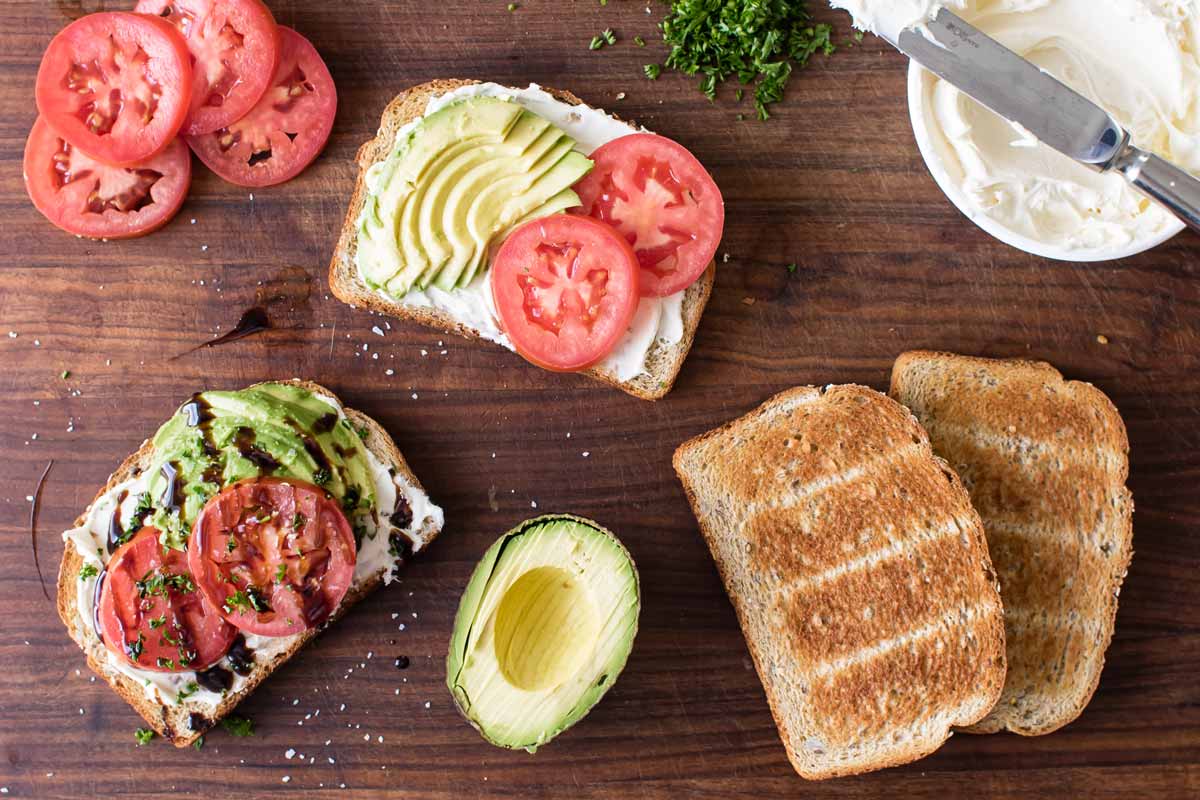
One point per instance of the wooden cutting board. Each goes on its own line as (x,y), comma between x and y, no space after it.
(833,183)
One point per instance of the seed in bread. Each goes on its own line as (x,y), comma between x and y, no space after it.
(859,574)
(1045,461)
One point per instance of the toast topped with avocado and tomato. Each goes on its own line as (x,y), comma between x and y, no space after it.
(524,217)
(250,522)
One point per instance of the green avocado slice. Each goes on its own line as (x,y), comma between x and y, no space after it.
(461,177)
(543,629)
(476,121)
(532,200)
(279,429)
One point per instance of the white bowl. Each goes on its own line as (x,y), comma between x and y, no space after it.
(918,81)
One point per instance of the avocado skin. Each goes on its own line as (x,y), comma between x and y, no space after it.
(279,429)
(474,594)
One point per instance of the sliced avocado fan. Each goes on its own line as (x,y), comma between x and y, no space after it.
(543,629)
(459,181)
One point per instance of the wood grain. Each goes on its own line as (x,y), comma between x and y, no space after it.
(832,183)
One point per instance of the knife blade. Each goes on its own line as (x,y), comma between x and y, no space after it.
(1053,112)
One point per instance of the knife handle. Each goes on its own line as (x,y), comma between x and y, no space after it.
(1176,189)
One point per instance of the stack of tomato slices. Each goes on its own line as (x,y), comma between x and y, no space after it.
(121,96)
(567,287)
(266,556)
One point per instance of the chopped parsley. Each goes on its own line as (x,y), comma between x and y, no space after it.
(791,268)
(652,71)
(639,41)
(351,498)
(165,663)
(144,506)
(758,42)
(186,692)
(157,583)
(602,39)
(238,726)
(322,477)
(143,736)
(88,571)
(238,601)
(363,433)
(257,600)
(281,573)
(134,649)
(199,743)
(298,521)
(159,621)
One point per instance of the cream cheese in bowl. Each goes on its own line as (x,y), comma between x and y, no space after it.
(1139,59)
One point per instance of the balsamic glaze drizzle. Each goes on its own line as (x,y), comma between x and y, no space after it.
(33,518)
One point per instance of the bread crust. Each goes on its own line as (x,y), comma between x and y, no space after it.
(176,723)
(718,494)
(1046,462)
(665,361)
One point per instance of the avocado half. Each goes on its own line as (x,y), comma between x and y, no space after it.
(543,629)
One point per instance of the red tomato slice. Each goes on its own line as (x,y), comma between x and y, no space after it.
(88,198)
(273,556)
(663,202)
(566,289)
(281,135)
(151,614)
(234,47)
(116,85)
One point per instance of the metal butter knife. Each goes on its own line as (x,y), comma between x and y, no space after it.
(1053,112)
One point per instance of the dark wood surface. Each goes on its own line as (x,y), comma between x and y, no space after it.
(833,183)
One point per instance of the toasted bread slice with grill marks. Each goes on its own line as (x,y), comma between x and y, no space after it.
(1045,461)
(183,723)
(859,572)
(664,361)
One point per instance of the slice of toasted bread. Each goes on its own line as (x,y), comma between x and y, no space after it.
(859,573)
(664,361)
(1045,461)
(182,723)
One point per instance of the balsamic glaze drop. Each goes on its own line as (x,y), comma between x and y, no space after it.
(215,679)
(402,517)
(240,656)
(96,603)
(172,496)
(244,441)
(253,320)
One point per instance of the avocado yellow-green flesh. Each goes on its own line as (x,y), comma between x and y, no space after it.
(277,429)
(485,197)
(544,628)
(527,196)
(463,176)
(564,200)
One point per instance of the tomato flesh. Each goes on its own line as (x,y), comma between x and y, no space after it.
(234,46)
(86,197)
(273,556)
(565,289)
(150,613)
(663,201)
(287,128)
(115,85)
